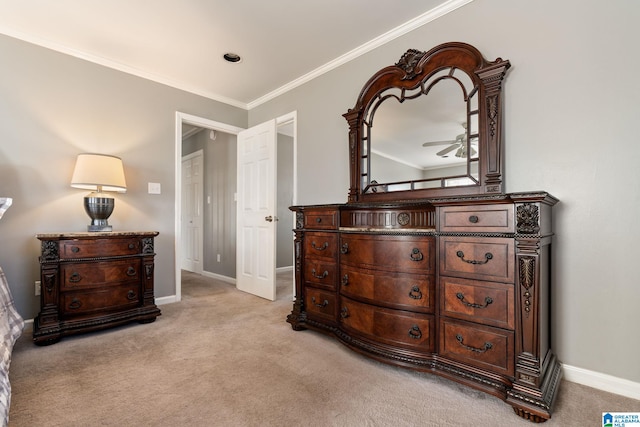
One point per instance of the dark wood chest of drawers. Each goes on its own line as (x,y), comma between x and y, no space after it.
(92,281)
(458,287)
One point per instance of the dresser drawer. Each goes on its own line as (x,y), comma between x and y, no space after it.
(482,346)
(488,303)
(320,303)
(322,274)
(488,218)
(395,253)
(92,248)
(391,326)
(321,219)
(321,245)
(412,292)
(96,274)
(100,300)
(481,258)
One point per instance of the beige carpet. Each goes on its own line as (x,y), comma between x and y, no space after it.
(224,358)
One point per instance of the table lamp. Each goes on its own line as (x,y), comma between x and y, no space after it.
(99,173)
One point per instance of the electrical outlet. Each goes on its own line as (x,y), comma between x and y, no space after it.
(37,287)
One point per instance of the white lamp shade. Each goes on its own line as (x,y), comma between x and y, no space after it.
(95,171)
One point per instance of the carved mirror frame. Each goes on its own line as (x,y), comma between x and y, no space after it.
(411,73)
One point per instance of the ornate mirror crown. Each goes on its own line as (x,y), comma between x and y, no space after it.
(428,126)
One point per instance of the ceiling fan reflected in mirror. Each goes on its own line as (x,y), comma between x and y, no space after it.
(459,144)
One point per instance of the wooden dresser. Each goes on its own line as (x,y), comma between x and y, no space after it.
(92,281)
(431,266)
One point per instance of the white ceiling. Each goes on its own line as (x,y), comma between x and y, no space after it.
(283,43)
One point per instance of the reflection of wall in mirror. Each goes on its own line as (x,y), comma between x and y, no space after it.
(389,170)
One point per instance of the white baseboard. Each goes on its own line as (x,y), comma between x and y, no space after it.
(227,279)
(166,300)
(283,269)
(602,382)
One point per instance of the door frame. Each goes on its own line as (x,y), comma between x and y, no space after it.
(221,127)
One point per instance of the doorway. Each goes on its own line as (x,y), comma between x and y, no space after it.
(218,207)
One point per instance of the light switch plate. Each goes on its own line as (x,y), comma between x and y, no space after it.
(155,188)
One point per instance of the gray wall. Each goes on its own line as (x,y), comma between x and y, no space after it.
(571,102)
(284,238)
(54,106)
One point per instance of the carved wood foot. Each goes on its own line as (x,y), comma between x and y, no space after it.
(528,415)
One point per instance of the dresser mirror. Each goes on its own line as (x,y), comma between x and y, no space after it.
(428,126)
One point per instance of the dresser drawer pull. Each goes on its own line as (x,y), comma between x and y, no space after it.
(75,304)
(487,345)
(323,305)
(132,246)
(319,276)
(415,332)
(473,219)
(75,277)
(487,257)
(344,313)
(131,271)
(131,295)
(345,280)
(487,301)
(415,293)
(416,255)
(318,220)
(344,249)
(75,249)
(324,246)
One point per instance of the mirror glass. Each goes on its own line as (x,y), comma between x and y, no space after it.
(425,138)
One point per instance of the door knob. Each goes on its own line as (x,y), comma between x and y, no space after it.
(270,218)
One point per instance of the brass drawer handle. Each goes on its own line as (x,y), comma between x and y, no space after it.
(75,249)
(323,305)
(487,301)
(131,295)
(473,219)
(318,220)
(415,332)
(75,277)
(488,256)
(487,345)
(324,246)
(415,293)
(75,304)
(131,271)
(344,249)
(416,255)
(344,313)
(132,246)
(345,280)
(319,276)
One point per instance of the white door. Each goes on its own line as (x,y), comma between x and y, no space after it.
(192,195)
(256,211)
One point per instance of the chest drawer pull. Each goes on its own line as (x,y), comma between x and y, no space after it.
(75,304)
(132,246)
(345,280)
(415,332)
(473,219)
(344,313)
(416,255)
(323,305)
(324,246)
(487,345)
(488,256)
(318,220)
(75,277)
(131,271)
(131,295)
(75,249)
(344,249)
(319,276)
(487,301)
(415,293)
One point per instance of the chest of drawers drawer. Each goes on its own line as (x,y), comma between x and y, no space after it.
(391,326)
(81,248)
(321,303)
(475,219)
(96,274)
(408,254)
(480,258)
(321,246)
(482,346)
(321,274)
(489,303)
(101,300)
(412,292)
